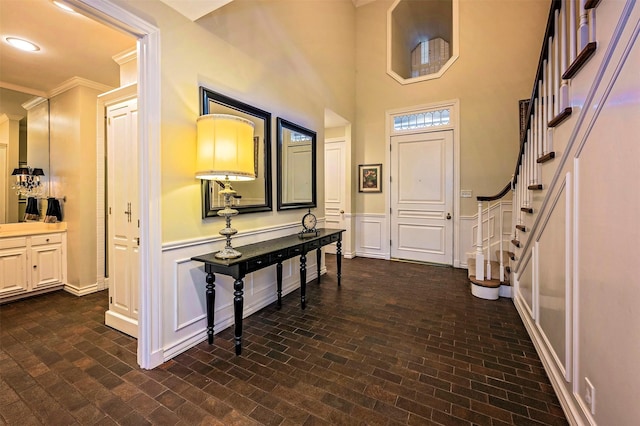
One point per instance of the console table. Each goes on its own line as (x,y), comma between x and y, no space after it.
(260,255)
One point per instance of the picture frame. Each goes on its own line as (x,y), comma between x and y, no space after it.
(370,178)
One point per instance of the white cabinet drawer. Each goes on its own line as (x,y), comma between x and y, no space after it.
(13,242)
(38,240)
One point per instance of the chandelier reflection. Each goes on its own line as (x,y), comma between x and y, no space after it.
(27,181)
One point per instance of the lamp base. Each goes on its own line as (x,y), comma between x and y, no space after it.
(228,252)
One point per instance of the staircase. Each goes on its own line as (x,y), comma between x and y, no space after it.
(494,287)
(490,276)
(568,45)
(574,194)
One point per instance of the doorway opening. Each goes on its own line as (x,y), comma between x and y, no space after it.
(148,48)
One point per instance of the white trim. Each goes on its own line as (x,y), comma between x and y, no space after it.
(575,344)
(454,124)
(74,82)
(570,324)
(149,116)
(80,291)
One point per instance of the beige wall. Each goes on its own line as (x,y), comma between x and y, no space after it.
(495,69)
(290,58)
(73,174)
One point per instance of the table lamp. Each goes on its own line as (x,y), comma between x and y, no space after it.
(225,153)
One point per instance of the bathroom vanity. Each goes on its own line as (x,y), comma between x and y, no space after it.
(33,259)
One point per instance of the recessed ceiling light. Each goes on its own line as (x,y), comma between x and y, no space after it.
(63,6)
(21,44)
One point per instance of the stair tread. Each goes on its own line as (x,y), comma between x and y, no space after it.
(492,283)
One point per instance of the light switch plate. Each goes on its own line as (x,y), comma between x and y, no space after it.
(465,193)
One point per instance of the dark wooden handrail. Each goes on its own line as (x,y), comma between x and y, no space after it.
(499,195)
(549,32)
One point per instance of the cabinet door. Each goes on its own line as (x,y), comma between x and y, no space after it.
(46,266)
(13,271)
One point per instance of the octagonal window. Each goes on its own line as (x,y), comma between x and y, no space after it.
(422,39)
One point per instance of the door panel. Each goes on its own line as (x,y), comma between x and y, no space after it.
(422,197)
(123,226)
(334,187)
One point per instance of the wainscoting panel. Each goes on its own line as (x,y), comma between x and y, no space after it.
(525,285)
(372,236)
(184,288)
(554,316)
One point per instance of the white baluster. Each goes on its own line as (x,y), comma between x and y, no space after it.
(501,245)
(479,251)
(556,66)
(564,86)
(572,31)
(592,24)
(583,28)
(489,241)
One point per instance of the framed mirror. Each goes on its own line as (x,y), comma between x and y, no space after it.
(296,166)
(252,196)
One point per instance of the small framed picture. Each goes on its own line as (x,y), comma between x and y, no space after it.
(370,178)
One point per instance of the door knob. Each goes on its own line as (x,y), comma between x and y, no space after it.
(341,211)
(448,216)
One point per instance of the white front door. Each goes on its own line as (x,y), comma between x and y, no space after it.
(422,197)
(334,186)
(123,223)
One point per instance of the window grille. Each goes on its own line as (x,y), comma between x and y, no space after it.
(421,120)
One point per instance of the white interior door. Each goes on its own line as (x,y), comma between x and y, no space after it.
(422,197)
(298,187)
(334,186)
(123,222)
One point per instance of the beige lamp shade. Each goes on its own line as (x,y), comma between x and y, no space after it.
(225,148)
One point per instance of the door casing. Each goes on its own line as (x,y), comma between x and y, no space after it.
(453,106)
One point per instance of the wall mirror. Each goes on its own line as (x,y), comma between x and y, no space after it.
(296,166)
(254,196)
(24,141)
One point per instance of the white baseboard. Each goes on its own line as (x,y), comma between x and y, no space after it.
(81,291)
(565,397)
(121,323)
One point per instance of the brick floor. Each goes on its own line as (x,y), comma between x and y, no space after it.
(397,343)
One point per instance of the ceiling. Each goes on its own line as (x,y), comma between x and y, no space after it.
(71,45)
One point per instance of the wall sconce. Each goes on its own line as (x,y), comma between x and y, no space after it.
(225,153)
(27,181)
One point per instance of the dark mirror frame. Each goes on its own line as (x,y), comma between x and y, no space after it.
(282,124)
(206,97)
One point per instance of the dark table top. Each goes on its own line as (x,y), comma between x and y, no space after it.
(262,248)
